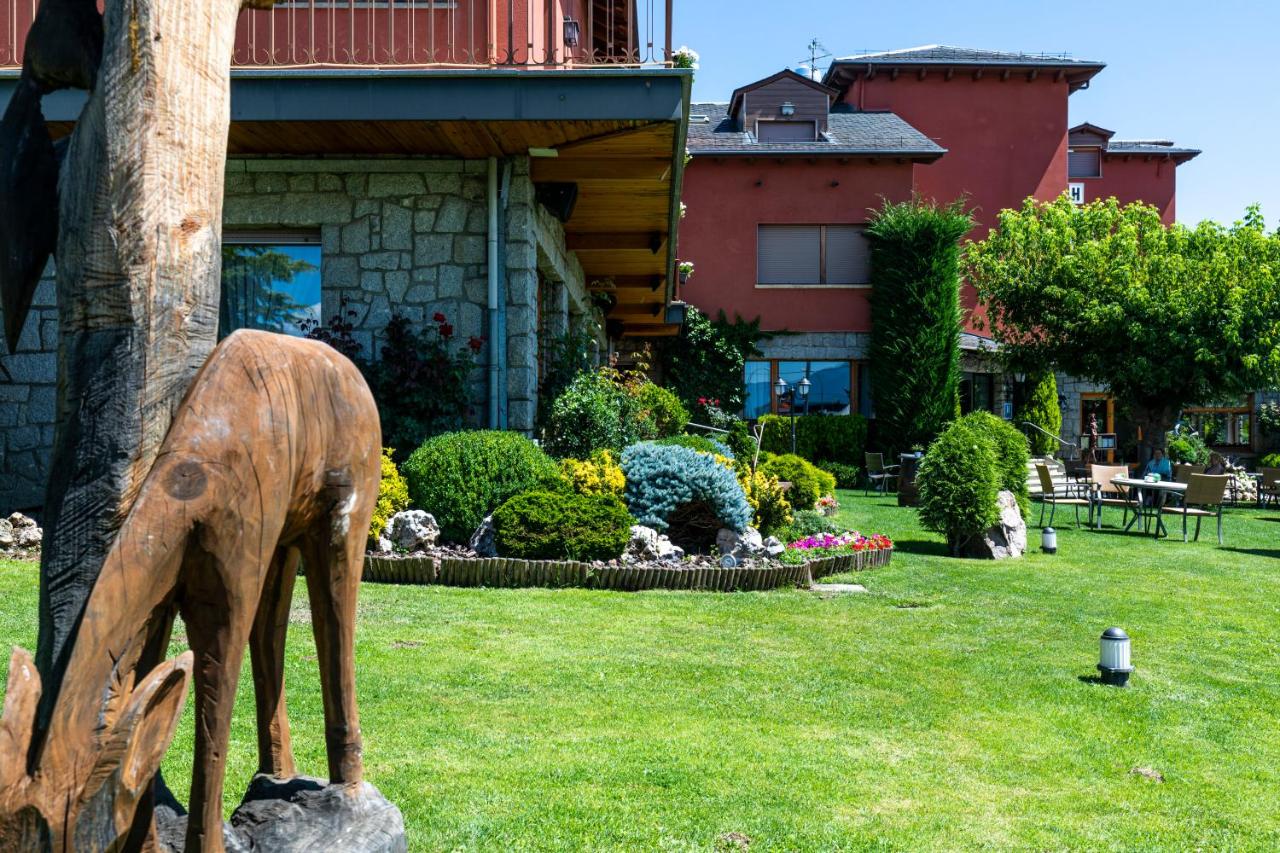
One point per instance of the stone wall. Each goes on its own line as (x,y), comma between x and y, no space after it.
(817,346)
(406,236)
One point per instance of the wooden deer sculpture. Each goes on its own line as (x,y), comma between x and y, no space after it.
(274,454)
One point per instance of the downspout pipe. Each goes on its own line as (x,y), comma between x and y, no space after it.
(496,344)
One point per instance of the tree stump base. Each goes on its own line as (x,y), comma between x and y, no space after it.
(302,813)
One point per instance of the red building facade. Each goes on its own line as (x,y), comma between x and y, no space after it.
(775,186)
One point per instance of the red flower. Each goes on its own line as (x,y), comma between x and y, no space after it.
(475,343)
(438,317)
(702,401)
(446,331)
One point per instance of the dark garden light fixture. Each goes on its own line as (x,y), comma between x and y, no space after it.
(1113,658)
(786,392)
(572,32)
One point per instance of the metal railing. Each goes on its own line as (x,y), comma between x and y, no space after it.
(428,33)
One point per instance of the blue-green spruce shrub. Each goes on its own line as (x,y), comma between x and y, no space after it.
(684,493)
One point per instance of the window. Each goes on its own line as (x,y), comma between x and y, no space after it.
(416,5)
(812,255)
(1084,162)
(830,389)
(270,282)
(774,130)
(1228,423)
(977,393)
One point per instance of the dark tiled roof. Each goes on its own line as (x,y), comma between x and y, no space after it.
(1149,146)
(941,54)
(848,133)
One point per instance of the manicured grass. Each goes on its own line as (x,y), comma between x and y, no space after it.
(951,707)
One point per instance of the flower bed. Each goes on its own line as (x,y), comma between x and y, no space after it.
(449,570)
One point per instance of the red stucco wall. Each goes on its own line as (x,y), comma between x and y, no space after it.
(719,233)
(1134,178)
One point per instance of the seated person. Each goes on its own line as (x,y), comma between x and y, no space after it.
(1158,464)
(1217,465)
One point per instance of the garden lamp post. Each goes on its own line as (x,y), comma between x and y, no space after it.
(786,392)
(1113,660)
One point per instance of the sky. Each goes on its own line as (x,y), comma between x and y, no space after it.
(1204,74)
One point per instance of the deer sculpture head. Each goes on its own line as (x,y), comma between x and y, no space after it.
(85,808)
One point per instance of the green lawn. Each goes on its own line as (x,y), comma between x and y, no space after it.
(948,708)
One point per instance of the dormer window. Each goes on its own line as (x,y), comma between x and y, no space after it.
(1084,162)
(776,130)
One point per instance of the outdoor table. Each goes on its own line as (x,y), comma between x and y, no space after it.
(1160,489)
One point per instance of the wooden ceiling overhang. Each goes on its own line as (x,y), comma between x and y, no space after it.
(618,134)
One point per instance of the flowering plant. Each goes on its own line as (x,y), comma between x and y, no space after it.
(684,57)
(827,505)
(832,545)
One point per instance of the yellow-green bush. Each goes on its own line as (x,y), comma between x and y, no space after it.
(393,496)
(598,475)
(768,500)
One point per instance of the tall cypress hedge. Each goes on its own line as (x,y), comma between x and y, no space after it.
(915,318)
(1041,408)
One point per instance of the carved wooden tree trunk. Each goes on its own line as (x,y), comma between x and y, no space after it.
(138,264)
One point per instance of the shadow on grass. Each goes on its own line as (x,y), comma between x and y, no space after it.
(1090,679)
(1273,553)
(920,546)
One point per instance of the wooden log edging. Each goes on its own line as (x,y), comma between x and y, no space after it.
(510,573)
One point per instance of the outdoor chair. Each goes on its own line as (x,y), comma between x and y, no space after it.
(879,474)
(1182,473)
(1107,493)
(1205,496)
(1269,485)
(1051,496)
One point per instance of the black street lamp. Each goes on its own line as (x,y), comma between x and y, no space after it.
(785,392)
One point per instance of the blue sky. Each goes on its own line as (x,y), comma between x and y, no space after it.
(1201,73)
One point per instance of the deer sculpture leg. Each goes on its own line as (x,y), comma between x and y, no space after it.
(266,650)
(335,548)
(219,633)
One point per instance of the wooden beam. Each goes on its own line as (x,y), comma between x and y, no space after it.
(631,282)
(922,72)
(1060,76)
(951,72)
(1032,74)
(1004,76)
(599,169)
(893,74)
(665,330)
(644,310)
(977,75)
(609,242)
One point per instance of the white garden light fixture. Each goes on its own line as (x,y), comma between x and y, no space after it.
(1113,659)
(1049,540)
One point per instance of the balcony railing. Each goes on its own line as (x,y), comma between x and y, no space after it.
(428,33)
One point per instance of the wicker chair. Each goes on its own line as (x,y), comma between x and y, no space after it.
(1052,497)
(1269,486)
(1107,493)
(1205,496)
(879,474)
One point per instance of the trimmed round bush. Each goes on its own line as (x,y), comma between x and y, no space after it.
(593,413)
(683,492)
(559,526)
(1011,451)
(1041,408)
(808,482)
(660,410)
(460,477)
(958,481)
(700,443)
(393,496)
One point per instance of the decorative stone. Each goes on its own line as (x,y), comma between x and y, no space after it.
(748,543)
(413,530)
(648,544)
(7,539)
(482,541)
(773,547)
(1006,538)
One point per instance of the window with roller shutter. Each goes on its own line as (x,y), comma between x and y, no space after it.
(812,255)
(1084,163)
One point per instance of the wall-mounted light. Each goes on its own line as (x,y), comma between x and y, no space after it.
(571,32)
(788,108)
(676,313)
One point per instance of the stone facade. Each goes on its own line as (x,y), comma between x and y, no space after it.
(817,346)
(402,236)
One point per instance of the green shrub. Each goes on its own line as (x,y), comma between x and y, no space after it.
(460,477)
(1041,408)
(594,413)
(559,526)
(768,500)
(808,482)
(805,523)
(660,410)
(683,492)
(1186,447)
(915,318)
(393,496)
(958,481)
(703,364)
(838,438)
(599,475)
(846,475)
(700,443)
(1271,460)
(1012,456)
(740,440)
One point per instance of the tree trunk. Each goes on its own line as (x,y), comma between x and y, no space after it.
(1155,419)
(138,264)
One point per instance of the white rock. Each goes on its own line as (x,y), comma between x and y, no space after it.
(1006,538)
(668,551)
(643,544)
(773,547)
(6,534)
(384,545)
(482,541)
(748,543)
(413,530)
